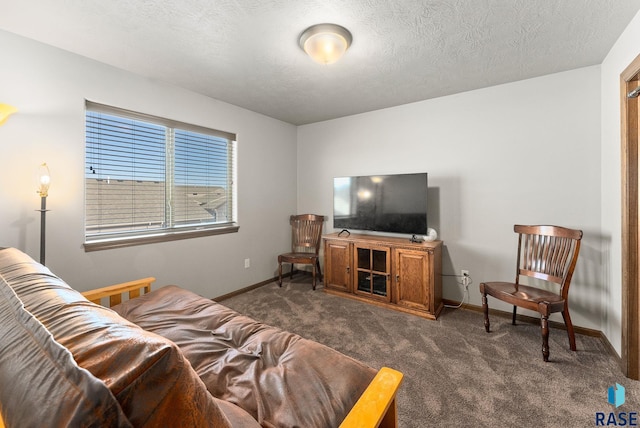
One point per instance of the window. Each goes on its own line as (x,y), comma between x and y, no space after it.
(150,179)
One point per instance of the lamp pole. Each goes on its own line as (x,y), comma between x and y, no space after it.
(43,224)
(44,180)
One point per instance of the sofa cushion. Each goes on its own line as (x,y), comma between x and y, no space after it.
(149,376)
(41,383)
(280,378)
(236,416)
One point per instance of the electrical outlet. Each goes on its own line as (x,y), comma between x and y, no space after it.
(247,263)
(465,277)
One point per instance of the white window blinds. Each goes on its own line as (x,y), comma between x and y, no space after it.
(146,175)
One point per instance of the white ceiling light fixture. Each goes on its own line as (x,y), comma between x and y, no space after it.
(325,43)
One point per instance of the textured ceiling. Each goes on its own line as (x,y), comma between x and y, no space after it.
(246,52)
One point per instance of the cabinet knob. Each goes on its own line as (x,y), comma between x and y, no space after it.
(348,269)
(397,278)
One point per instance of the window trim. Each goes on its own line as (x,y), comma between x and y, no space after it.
(165,236)
(133,238)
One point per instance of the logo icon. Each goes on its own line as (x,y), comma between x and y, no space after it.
(616,395)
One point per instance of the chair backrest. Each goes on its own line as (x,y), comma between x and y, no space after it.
(549,253)
(306,233)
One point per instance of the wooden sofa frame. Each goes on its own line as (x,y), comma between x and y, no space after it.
(376,407)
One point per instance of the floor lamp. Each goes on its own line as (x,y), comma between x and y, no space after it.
(5,111)
(44,180)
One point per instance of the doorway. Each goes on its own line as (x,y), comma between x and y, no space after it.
(629,81)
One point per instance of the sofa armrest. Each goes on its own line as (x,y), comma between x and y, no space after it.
(115,292)
(376,407)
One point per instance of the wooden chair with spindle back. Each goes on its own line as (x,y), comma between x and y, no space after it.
(306,233)
(546,253)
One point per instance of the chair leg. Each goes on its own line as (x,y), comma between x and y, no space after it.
(544,323)
(513,319)
(319,270)
(313,272)
(279,273)
(570,332)
(485,309)
(291,277)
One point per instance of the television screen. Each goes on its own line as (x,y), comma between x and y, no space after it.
(383,203)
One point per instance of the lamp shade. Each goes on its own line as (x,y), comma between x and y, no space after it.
(325,43)
(44,180)
(5,111)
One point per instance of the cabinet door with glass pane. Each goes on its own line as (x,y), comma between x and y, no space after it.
(373,271)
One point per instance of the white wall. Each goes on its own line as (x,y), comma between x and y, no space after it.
(620,56)
(526,152)
(49,87)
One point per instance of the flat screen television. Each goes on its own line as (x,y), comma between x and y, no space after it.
(394,203)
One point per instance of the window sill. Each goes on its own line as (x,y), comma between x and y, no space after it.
(110,243)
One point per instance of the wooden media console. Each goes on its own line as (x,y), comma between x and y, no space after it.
(386,271)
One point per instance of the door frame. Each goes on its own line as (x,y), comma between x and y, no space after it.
(630,223)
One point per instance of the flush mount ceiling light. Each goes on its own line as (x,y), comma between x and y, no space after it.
(325,43)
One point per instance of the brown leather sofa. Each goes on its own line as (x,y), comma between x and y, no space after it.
(167,358)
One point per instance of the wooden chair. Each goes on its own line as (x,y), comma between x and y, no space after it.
(306,232)
(546,253)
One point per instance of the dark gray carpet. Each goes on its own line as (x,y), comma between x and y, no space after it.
(455,373)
